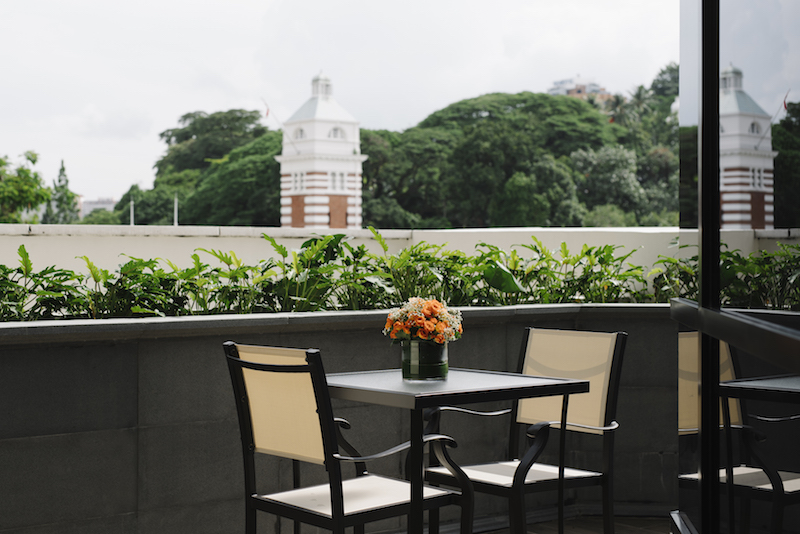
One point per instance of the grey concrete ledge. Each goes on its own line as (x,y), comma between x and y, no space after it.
(92,330)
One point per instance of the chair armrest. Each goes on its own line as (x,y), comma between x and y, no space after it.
(439,449)
(538,435)
(430,438)
(613,426)
(475,412)
(775,419)
(361,467)
(433,415)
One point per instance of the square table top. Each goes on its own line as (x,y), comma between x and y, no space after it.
(386,387)
(782,388)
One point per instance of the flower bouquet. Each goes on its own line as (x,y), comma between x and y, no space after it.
(424,327)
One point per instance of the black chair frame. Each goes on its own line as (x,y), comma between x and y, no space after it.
(332,441)
(537,436)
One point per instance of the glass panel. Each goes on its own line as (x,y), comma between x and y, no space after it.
(759,131)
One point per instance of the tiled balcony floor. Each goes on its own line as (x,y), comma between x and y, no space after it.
(594,525)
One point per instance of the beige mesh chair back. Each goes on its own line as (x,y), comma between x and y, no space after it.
(284,401)
(689,383)
(284,410)
(570,354)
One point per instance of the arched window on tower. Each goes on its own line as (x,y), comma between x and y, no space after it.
(754,128)
(299,134)
(336,133)
(757,178)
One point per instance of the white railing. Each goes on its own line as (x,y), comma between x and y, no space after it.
(61,245)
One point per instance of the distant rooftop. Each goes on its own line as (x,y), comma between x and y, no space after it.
(570,85)
(732,98)
(321,105)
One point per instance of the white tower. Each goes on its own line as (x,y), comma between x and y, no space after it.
(321,164)
(746,158)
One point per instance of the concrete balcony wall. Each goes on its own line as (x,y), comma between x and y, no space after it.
(128,425)
(61,245)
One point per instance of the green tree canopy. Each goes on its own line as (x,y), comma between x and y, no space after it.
(455,169)
(101,216)
(63,206)
(666,83)
(407,175)
(609,216)
(203,137)
(544,197)
(192,149)
(687,193)
(241,189)
(559,124)
(609,177)
(20,188)
(151,206)
(786,140)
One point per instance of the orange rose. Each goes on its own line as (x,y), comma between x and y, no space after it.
(432,308)
(439,338)
(440,328)
(422,334)
(429,326)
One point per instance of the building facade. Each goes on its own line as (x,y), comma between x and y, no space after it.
(321,164)
(746,158)
(580,88)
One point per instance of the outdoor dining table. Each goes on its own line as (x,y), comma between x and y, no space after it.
(779,388)
(462,386)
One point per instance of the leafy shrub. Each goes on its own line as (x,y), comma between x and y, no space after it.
(328,273)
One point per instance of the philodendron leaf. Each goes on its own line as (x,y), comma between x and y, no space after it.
(25,261)
(98,275)
(499,277)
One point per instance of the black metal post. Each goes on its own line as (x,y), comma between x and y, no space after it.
(709,225)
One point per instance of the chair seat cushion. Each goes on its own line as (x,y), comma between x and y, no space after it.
(755,477)
(502,473)
(361,494)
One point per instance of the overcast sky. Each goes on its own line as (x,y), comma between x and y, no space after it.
(94,82)
(759,37)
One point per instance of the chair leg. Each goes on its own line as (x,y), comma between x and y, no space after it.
(467,513)
(433,521)
(358,529)
(777,516)
(516,513)
(608,504)
(250,520)
(744,517)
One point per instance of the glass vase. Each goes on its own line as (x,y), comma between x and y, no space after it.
(424,360)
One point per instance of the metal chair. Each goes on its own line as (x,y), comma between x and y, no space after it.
(754,478)
(284,410)
(592,356)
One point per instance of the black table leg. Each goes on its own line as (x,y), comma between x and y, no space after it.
(415,518)
(561,455)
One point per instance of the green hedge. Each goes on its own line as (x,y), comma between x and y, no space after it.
(327,273)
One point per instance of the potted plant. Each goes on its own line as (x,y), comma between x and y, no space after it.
(424,328)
